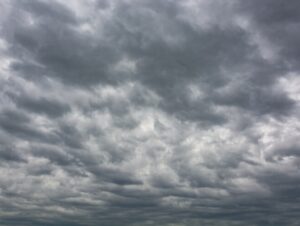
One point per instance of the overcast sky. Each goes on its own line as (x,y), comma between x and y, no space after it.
(149,112)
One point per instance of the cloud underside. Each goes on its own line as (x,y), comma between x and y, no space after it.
(134,113)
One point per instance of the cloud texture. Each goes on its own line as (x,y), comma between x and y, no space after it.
(149,112)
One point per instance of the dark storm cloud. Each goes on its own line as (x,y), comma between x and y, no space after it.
(53,47)
(197,57)
(277,21)
(260,100)
(53,154)
(17,123)
(10,154)
(149,113)
(42,106)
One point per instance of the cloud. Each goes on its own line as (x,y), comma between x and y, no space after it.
(149,113)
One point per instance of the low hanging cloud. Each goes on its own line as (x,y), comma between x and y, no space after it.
(149,112)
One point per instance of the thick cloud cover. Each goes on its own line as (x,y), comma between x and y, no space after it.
(149,112)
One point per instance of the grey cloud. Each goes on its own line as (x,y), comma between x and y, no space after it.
(10,154)
(18,124)
(56,156)
(277,22)
(260,100)
(199,58)
(149,113)
(49,10)
(55,47)
(113,175)
(43,106)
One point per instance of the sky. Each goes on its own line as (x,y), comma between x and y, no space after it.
(149,112)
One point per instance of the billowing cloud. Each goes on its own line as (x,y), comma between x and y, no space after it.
(149,112)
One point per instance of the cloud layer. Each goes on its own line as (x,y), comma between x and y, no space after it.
(149,112)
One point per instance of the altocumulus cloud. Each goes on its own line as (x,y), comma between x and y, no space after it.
(149,112)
